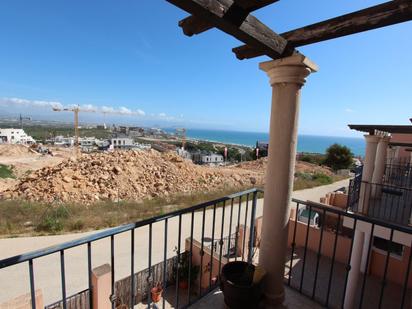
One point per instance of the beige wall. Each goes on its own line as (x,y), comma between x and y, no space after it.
(328,240)
(196,260)
(397,268)
(402,138)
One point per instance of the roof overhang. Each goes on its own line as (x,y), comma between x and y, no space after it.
(371,128)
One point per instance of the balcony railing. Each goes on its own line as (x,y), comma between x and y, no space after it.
(398,173)
(319,258)
(387,202)
(193,231)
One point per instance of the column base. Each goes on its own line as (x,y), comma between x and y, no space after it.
(272,301)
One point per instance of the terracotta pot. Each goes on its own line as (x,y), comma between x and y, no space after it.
(156,294)
(183,284)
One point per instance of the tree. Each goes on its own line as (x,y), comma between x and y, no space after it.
(338,157)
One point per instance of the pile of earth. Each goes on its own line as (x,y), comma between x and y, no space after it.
(126,175)
(11,150)
(300,167)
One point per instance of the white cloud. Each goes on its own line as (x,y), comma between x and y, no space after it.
(349,110)
(162,115)
(85,107)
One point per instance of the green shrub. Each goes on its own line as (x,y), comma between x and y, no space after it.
(6,171)
(78,225)
(50,224)
(322,178)
(339,157)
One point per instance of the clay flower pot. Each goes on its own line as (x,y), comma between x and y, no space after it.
(156,293)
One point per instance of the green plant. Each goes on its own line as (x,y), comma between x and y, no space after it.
(338,157)
(185,269)
(322,178)
(6,171)
(50,224)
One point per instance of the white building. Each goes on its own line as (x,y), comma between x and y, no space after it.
(122,142)
(15,136)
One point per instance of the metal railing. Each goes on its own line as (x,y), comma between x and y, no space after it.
(382,201)
(398,173)
(319,259)
(354,188)
(233,209)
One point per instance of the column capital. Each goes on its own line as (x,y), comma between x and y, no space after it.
(293,69)
(372,138)
(385,139)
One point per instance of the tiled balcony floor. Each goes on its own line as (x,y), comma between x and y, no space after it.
(293,300)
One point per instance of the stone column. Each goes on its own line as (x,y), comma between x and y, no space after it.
(380,162)
(287,76)
(355,271)
(367,172)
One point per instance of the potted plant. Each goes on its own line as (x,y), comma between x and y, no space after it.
(241,284)
(156,292)
(184,270)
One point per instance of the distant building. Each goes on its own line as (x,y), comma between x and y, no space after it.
(87,144)
(64,141)
(184,153)
(207,158)
(15,136)
(122,142)
(101,126)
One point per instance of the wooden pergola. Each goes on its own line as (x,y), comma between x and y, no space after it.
(287,72)
(235,18)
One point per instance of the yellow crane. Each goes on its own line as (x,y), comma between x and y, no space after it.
(75,110)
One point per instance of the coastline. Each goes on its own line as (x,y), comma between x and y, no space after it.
(316,144)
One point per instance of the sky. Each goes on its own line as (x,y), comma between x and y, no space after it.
(130,59)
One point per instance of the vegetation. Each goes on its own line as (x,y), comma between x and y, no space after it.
(338,157)
(42,132)
(314,158)
(310,180)
(6,171)
(28,218)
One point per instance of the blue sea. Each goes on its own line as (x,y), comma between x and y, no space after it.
(306,143)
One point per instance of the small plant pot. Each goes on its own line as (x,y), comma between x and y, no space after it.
(241,284)
(156,293)
(183,284)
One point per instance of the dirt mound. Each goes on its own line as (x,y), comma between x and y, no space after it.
(306,167)
(128,175)
(8,150)
(253,165)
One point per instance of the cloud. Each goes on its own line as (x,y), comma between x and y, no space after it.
(349,110)
(28,103)
(84,107)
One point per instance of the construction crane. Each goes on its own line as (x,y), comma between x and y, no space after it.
(21,118)
(182,133)
(75,110)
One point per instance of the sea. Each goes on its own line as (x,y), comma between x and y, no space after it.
(306,143)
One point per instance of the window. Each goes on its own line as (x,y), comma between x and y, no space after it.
(384,245)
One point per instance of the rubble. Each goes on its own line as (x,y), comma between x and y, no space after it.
(127,175)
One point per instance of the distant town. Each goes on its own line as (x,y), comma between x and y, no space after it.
(88,138)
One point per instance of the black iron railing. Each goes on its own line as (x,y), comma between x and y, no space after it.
(319,258)
(232,209)
(382,201)
(398,173)
(354,188)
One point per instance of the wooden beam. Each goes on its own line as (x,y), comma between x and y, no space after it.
(389,13)
(234,20)
(194,25)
